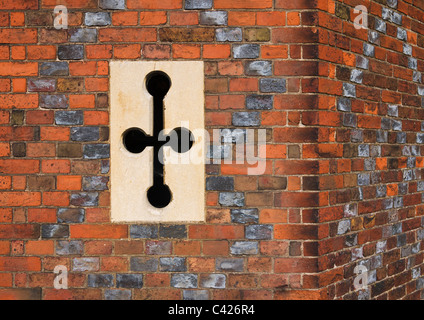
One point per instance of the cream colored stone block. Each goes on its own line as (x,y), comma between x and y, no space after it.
(131,174)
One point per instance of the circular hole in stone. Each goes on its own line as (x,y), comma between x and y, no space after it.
(181,139)
(159,196)
(158,83)
(134,140)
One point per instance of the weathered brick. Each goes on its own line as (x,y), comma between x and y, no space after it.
(83,35)
(259,102)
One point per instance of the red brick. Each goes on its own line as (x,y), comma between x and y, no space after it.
(153,4)
(98,231)
(127,35)
(242,4)
(77,4)
(186,51)
(127,51)
(18,36)
(215,232)
(18,231)
(128,18)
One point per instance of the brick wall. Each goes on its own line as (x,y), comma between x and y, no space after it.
(342,187)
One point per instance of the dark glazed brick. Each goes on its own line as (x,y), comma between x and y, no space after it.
(245,215)
(85,133)
(198,4)
(230,199)
(220,183)
(100,280)
(258,68)
(272,85)
(144,264)
(97,19)
(188,281)
(214,18)
(144,231)
(246,119)
(173,231)
(70,52)
(174,264)
(96,151)
(98,183)
(49,231)
(83,35)
(129,280)
(55,101)
(69,247)
(69,117)
(259,102)
(54,68)
(259,232)
(112,4)
(246,51)
(116,294)
(229,34)
(85,199)
(70,215)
